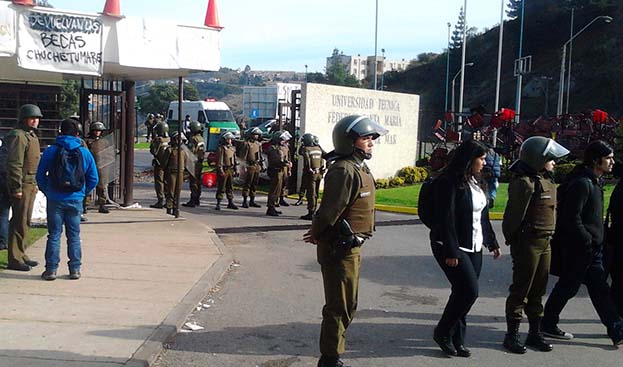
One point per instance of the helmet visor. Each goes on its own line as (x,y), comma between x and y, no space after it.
(364,126)
(553,150)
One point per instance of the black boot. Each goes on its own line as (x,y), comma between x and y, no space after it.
(445,343)
(330,362)
(535,337)
(272,212)
(253,204)
(511,340)
(231,205)
(157,205)
(308,216)
(103,209)
(175,212)
(283,202)
(169,211)
(190,203)
(244,202)
(218,204)
(299,201)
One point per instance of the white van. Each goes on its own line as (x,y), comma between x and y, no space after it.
(214,116)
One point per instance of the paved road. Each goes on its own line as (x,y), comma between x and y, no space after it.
(266,312)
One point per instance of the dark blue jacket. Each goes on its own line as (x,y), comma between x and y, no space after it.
(453,216)
(47,160)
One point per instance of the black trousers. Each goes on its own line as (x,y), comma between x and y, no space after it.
(464,292)
(575,271)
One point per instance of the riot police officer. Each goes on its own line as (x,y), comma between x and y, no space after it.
(344,221)
(313,169)
(285,148)
(278,167)
(251,153)
(158,148)
(96,145)
(171,169)
(150,122)
(196,144)
(22,161)
(226,170)
(529,222)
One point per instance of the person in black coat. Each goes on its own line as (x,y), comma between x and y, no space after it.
(577,245)
(615,234)
(463,229)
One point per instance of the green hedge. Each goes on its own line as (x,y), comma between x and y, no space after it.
(405,176)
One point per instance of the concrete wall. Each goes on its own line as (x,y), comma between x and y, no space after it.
(324,105)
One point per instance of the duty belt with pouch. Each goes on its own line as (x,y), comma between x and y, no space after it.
(344,240)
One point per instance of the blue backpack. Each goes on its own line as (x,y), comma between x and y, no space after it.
(67,171)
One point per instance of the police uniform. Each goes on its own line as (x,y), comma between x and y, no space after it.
(157,148)
(277,171)
(95,146)
(226,166)
(196,144)
(313,168)
(22,161)
(150,122)
(172,169)
(287,173)
(252,155)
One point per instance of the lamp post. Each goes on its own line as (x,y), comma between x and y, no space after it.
(453,80)
(561,87)
(464,46)
(445,109)
(382,68)
(305,73)
(376,32)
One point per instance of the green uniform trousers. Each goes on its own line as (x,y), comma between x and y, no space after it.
(276,185)
(172,195)
(194,182)
(20,223)
(341,286)
(251,179)
(531,260)
(159,181)
(225,184)
(313,186)
(100,189)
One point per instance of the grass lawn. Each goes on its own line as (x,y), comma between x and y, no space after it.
(33,235)
(408,196)
(141,145)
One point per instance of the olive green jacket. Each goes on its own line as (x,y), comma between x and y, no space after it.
(22,160)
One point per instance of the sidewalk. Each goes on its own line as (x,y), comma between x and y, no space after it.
(143,272)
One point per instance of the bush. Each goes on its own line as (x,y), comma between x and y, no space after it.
(382,183)
(412,175)
(561,171)
(396,182)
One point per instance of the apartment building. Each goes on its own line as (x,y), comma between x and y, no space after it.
(363,66)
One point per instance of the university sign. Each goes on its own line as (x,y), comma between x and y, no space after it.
(60,42)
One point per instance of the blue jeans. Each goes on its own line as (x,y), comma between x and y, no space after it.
(67,213)
(4,223)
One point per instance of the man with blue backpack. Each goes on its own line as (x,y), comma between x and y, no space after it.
(66,174)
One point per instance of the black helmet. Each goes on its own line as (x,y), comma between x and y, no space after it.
(308,139)
(162,129)
(538,150)
(316,140)
(29,110)
(195,127)
(351,127)
(98,126)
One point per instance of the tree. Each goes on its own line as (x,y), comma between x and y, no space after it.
(160,95)
(337,74)
(514,8)
(316,77)
(69,98)
(456,41)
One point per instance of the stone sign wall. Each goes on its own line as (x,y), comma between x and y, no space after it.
(324,105)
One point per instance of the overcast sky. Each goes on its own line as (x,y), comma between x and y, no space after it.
(289,34)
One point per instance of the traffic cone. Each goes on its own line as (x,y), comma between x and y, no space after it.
(112,9)
(24,2)
(212,16)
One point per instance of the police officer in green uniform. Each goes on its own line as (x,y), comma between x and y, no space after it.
(171,171)
(313,169)
(342,224)
(529,222)
(157,148)
(251,153)
(285,148)
(197,146)
(150,122)
(94,144)
(22,161)
(278,167)
(226,170)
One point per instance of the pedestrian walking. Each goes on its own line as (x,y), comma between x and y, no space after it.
(23,158)
(529,222)
(462,228)
(577,245)
(66,174)
(344,221)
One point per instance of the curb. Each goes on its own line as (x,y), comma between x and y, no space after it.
(147,353)
(413,211)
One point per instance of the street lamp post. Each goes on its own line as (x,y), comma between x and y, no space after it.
(376,33)
(453,80)
(561,84)
(445,109)
(464,47)
(305,73)
(382,68)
